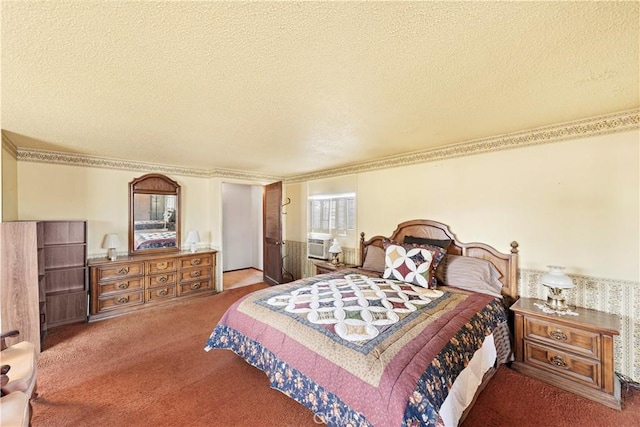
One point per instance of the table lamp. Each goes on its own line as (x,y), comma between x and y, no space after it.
(556,281)
(193,237)
(111,242)
(335,250)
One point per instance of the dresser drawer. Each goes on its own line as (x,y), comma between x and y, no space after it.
(193,287)
(579,369)
(195,273)
(161,280)
(161,266)
(196,261)
(108,272)
(120,300)
(162,293)
(108,287)
(566,338)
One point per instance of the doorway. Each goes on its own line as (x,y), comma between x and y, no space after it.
(241,234)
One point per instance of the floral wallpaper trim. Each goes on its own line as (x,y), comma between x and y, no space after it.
(611,123)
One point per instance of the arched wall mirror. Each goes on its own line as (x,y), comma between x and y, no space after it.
(154,214)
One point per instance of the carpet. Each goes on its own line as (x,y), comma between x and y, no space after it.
(149,369)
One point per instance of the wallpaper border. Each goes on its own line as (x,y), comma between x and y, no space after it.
(607,124)
(602,125)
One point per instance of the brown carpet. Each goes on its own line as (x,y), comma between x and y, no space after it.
(150,369)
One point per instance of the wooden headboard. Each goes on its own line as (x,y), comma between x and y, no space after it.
(507,264)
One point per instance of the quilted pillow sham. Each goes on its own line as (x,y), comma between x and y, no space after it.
(472,274)
(415,264)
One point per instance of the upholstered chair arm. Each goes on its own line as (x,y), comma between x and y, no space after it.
(10,334)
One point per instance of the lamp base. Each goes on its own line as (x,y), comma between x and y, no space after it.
(113,254)
(556,301)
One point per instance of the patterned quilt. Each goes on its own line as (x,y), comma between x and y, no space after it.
(358,350)
(166,239)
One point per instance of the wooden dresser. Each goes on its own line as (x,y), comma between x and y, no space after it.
(141,281)
(571,352)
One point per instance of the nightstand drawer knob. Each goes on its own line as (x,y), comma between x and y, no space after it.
(558,335)
(558,361)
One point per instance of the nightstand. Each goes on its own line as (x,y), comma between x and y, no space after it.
(572,352)
(327,267)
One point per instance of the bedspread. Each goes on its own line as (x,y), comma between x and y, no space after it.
(360,350)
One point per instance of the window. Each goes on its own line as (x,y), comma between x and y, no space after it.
(332,214)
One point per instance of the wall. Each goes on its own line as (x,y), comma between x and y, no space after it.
(101,196)
(9,184)
(241,229)
(573,203)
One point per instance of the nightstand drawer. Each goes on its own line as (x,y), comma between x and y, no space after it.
(579,369)
(571,339)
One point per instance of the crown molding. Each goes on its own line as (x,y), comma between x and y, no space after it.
(9,146)
(55,157)
(602,125)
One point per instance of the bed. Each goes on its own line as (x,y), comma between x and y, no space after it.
(361,347)
(162,239)
(150,225)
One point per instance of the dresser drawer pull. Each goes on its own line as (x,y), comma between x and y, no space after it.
(558,361)
(196,261)
(122,300)
(161,265)
(195,286)
(195,274)
(162,279)
(161,292)
(558,335)
(123,285)
(123,270)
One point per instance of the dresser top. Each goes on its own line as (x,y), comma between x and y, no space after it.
(148,257)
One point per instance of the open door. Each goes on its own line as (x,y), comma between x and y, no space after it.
(272,228)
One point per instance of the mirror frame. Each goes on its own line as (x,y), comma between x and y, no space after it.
(153,183)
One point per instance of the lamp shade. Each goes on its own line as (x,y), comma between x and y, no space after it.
(555,278)
(111,241)
(193,237)
(335,247)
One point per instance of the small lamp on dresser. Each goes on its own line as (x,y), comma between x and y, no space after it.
(193,237)
(335,250)
(556,281)
(112,243)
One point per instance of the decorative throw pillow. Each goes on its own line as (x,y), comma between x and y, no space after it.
(412,263)
(443,243)
(374,259)
(472,274)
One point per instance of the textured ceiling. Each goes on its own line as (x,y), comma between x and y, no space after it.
(285,88)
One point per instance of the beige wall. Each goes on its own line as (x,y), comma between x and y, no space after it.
(101,196)
(573,203)
(9,187)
